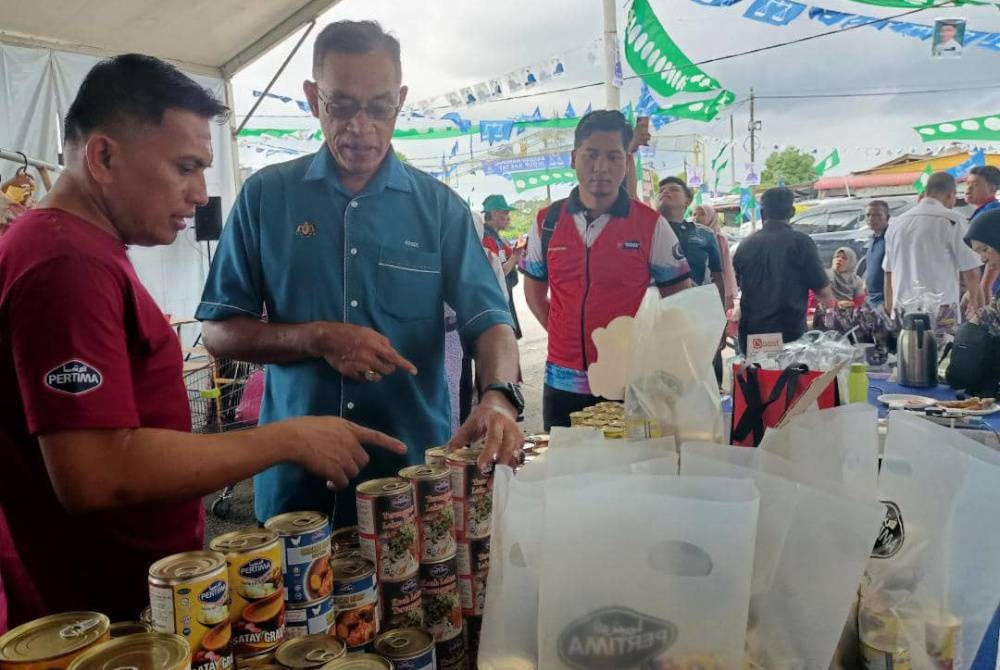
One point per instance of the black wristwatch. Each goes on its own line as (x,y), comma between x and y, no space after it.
(512,392)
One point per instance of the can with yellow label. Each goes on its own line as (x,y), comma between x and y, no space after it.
(257,599)
(189,596)
(52,642)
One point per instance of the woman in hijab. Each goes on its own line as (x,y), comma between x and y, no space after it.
(704,215)
(848,287)
(984,238)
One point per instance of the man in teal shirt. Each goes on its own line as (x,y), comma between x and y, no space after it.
(333,269)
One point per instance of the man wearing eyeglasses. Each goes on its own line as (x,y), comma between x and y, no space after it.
(351,255)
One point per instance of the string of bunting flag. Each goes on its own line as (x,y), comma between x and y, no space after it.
(783,12)
(985,128)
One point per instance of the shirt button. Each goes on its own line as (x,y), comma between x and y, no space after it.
(354,303)
(354,252)
(350,405)
(354,203)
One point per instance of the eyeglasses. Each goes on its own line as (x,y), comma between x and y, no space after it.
(347,109)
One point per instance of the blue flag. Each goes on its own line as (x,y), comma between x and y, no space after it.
(589,108)
(647,105)
(570,112)
(495,131)
(456,118)
(976,159)
(454,149)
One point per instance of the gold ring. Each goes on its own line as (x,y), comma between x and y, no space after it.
(371,375)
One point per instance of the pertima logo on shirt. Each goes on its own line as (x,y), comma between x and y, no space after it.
(73,377)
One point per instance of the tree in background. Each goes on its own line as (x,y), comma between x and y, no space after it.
(523,217)
(790,166)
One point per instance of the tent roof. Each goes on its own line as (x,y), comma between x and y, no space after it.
(217,37)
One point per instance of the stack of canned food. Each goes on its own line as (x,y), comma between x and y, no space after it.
(884,638)
(609,417)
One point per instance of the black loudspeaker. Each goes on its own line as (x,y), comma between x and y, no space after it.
(208,220)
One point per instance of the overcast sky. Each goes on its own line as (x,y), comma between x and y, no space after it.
(448,44)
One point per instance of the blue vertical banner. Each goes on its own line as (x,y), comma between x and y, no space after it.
(495,131)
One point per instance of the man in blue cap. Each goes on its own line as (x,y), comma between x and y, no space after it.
(496,215)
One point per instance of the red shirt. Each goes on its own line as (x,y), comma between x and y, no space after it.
(82,346)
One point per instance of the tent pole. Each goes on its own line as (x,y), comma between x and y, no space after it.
(267,89)
(15,157)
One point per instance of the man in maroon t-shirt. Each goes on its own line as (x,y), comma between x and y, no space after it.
(101,475)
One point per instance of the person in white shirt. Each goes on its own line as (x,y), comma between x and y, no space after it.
(925,250)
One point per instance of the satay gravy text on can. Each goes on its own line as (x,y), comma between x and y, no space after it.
(359,662)
(343,540)
(407,648)
(355,601)
(435,513)
(451,654)
(440,597)
(305,538)
(313,651)
(52,642)
(400,603)
(387,521)
(189,595)
(436,455)
(473,570)
(257,599)
(472,492)
(313,619)
(139,651)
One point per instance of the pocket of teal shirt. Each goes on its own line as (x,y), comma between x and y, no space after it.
(409,283)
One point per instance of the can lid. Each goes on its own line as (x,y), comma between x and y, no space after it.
(124,628)
(421,472)
(384,486)
(403,642)
(465,455)
(350,567)
(53,636)
(437,450)
(297,522)
(142,651)
(186,566)
(241,541)
(359,662)
(310,651)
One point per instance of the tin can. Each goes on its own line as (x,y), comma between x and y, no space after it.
(312,651)
(473,570)
(451,654)
(359,662)
(884,652)
(257,599)
(407,649)
(316,618)
(440,597)
(126,628)
(355,601)
(387,521)
(940,640)
(435,513)
(400,603)
(473,631)
(344,539)
(643,428)
(263,661)
(576,419)
(472,491)
(436,455)
(614,430)
(139,651)
(52,642)
(305,538)
(189,595)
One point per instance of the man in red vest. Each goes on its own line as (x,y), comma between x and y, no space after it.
(590,258)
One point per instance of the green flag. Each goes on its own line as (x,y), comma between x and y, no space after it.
(697,200)
(718,173)
(921,183)
(828,163)
(715,161)
(656,58)
(529,179)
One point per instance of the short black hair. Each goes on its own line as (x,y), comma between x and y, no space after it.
(134,88)
(355,37)
(880,203)
(602,120)
(989,173)
(679,182)
(940,183)
(777,204)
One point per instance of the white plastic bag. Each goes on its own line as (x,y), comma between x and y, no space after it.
(935,572)
(838,444)
(669,376)
(640,572)
(811,550)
